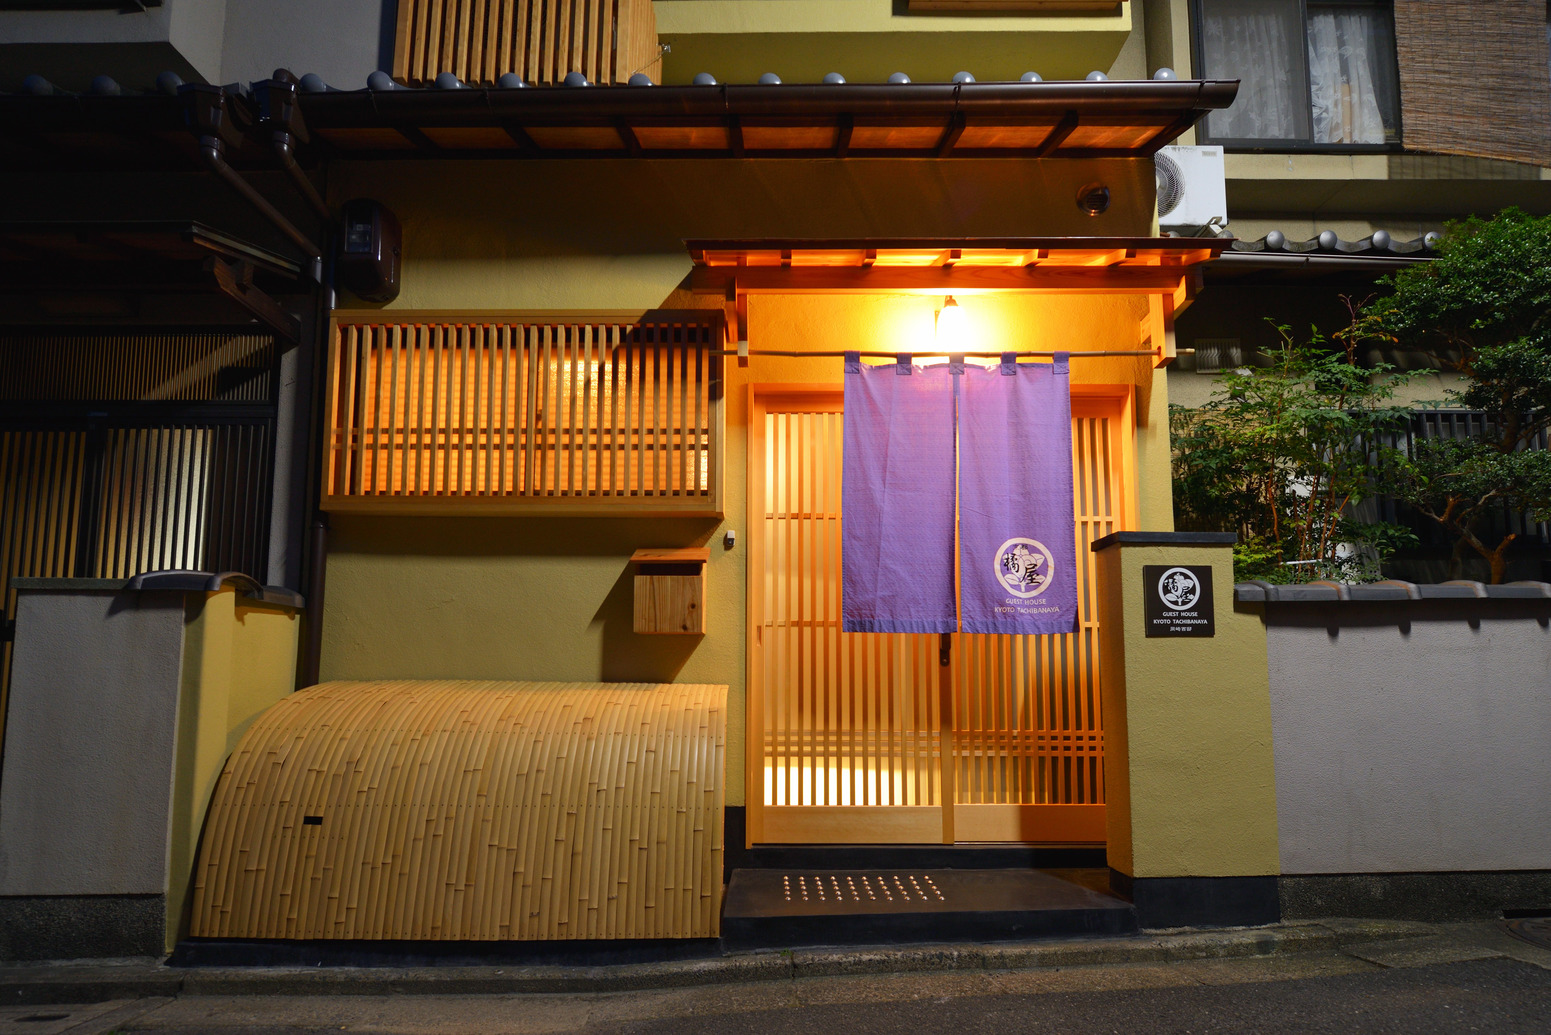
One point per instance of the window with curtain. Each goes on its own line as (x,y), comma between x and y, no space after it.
(1314,73)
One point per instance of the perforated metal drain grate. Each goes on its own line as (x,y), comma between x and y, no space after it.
(1534,929)
(885,887)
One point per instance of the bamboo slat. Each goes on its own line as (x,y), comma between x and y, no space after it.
(540,40)
(178,366)
(489,414)
(1494,58)
(470,811)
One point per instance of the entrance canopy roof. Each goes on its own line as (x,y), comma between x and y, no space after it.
(1080,265)
(1166,269)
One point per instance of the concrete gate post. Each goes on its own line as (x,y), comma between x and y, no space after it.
(1190,784)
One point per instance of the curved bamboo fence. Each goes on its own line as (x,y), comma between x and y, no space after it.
(456,810)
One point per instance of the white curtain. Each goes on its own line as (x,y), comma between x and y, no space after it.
(1259,42)
(1344,79)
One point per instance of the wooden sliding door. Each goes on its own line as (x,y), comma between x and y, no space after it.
(868,738)
(846,729)
(1028,736)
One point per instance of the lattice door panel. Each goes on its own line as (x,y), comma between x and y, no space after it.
(848,732)
(849,724)
(1028,736)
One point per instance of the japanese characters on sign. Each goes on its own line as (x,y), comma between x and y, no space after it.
(1177,600)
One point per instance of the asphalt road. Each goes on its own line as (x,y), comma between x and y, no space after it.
(1303,993)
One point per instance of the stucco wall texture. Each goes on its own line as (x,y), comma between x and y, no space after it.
(1187,729)
(85,796)
(123,708)
(1417,745)
(550,598)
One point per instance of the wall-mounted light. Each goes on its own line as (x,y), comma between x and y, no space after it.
(951,326)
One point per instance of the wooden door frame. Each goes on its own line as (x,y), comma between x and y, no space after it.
(1116,401)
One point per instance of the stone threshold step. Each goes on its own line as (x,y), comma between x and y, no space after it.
(785,908)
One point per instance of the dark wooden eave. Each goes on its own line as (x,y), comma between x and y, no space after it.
(851,120)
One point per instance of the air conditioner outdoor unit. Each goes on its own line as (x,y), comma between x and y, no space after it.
(1192,194)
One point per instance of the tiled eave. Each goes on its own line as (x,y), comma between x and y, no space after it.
(915,120)
(850,120)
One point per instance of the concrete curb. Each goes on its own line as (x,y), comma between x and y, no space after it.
(91,981)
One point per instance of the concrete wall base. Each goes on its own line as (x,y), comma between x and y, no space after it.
(62,927)
(1199,901)
(1415,896)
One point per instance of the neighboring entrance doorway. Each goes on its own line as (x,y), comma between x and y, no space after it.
(867,738)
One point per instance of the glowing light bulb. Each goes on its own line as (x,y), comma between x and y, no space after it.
(951,329)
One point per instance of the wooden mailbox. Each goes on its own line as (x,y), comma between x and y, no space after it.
(670,590)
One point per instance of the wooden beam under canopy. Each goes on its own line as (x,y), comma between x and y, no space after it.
(958,279)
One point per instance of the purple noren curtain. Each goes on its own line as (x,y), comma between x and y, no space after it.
(1017,532)
(897,499)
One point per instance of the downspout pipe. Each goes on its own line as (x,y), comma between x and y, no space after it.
(213,152)
(285,152)
(312,627)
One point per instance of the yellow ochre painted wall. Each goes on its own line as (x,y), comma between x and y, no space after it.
(563,234)
(546,598)
(867,40)
(238,659)
(1189,777)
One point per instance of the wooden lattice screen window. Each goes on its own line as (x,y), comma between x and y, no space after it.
(540,40)
(437,413)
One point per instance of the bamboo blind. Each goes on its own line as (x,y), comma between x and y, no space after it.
(854,728)
(540,40)
(450,810)
(1474,78)
(584,417)
(150,366)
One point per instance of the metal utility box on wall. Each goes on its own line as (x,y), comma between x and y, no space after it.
(670,590)
(370,251)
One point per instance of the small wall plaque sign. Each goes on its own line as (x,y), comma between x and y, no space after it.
(1177,600)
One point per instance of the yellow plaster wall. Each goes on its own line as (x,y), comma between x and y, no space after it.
(1189,774)
(238,659)
(866,40)
(560,234)
(550,598)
